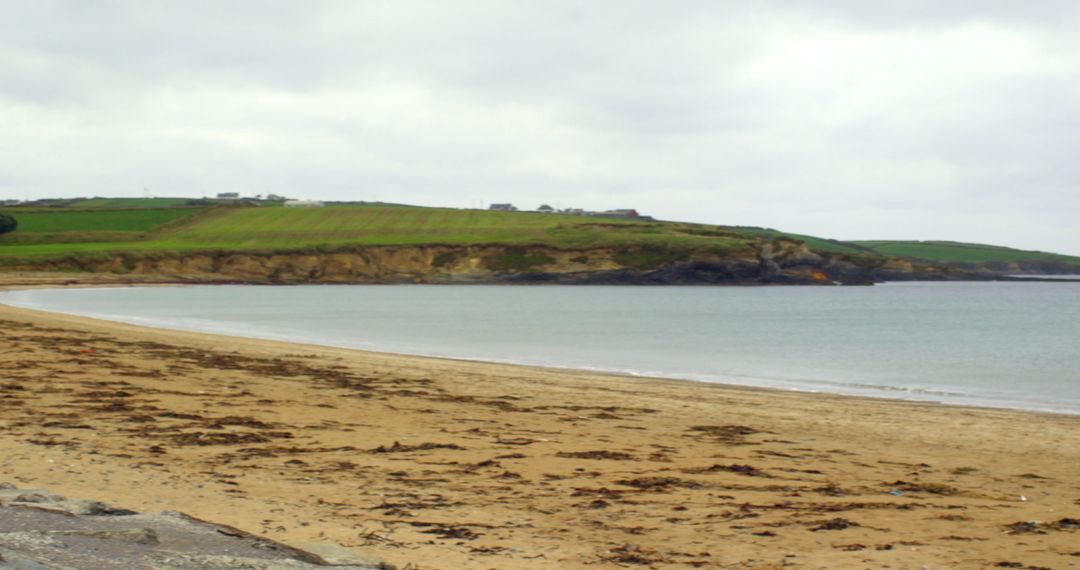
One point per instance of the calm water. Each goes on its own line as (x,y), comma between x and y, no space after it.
(998,344)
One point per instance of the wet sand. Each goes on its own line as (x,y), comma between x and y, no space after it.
(445,464)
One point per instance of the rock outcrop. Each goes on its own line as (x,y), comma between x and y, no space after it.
(40,530)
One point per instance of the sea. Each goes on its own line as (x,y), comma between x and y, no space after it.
(996,344)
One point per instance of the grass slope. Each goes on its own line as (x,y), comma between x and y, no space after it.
(958,252)
(289,229)
(57,231)
(129,203)
(46,221)
(815,243)
(109,225)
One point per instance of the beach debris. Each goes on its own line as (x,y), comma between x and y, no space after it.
(228,438)
(632,554)
(600,454)
(731,434)
(1024,527)
(832,489)
(833,524)
(602,494)
(639,494)
(1067,523)
(1039,527)
(448,532)
(964,538)
(932,488)
(741,469)
(482,465)
(659,483)
(241,421)
(516,440)
(399,448)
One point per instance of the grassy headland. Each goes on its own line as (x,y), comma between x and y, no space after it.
(137,228)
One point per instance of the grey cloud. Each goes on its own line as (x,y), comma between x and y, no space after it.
(834,117)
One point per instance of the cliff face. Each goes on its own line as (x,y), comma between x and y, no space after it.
(778,261)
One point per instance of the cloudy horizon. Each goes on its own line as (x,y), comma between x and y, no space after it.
(836,118)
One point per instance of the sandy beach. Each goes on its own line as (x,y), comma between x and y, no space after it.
(442,464)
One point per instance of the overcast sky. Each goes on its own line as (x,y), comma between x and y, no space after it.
(906,119)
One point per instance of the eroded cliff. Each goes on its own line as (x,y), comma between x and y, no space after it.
(780,261)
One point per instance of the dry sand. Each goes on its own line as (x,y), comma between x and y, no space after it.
(443,464)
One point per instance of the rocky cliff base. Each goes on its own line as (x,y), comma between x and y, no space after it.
(779,261)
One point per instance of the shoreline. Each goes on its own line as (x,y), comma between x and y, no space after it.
(615,375)
(809,388)
(455,464)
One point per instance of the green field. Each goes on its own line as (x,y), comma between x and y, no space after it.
(53,232)
(58,230)
(46,221)
(129,203)
(286,227)
(107,225)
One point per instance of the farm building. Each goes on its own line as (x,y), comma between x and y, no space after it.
(303,204)
(624,213)
(228,195)
(503,207)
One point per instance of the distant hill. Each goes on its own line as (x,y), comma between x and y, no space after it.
(990,257)
(80,232)
(968,255)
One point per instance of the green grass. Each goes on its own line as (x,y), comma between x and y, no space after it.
(93,221)
(957,252)
(127,203)
(338,227)
(105,226)
(365,225)
(815,243)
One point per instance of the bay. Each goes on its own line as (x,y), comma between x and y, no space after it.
(1008,344)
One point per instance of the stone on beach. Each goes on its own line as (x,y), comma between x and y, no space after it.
(40,530)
